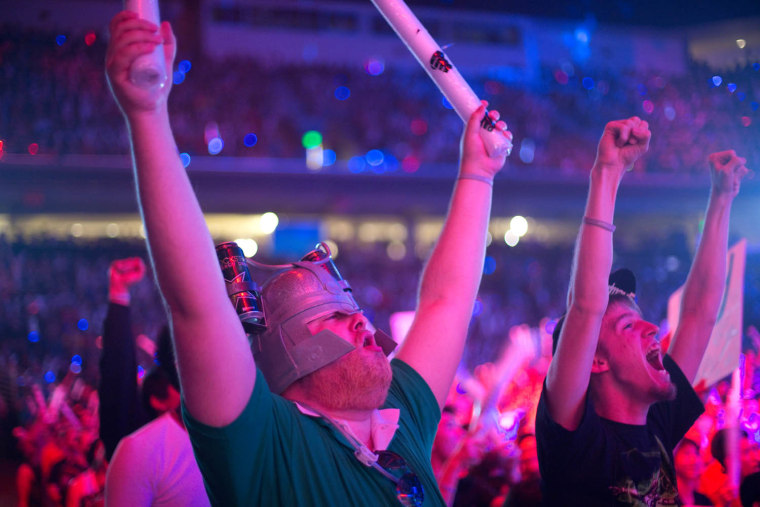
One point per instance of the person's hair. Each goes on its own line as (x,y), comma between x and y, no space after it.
(614,298)
(718,444)
(684,442)
(156,384)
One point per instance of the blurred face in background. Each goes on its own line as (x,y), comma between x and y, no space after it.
(688,462)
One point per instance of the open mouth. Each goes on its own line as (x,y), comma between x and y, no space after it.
(368,343)
(654,359)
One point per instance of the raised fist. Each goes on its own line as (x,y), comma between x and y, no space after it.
(623,143)
(727,170)
(475,158)
(132,37)
(122,274)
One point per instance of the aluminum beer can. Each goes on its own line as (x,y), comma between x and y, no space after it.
(322,256)
(241,288)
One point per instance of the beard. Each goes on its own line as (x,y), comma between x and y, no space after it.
(664,392)
(356,381)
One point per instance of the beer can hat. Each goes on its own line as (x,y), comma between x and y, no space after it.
(296,294)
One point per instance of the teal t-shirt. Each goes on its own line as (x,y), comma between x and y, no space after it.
(274,455)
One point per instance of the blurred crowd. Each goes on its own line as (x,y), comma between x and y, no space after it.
(55,100)
(53,293)
(53,296)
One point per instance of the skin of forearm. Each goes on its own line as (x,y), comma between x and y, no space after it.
(171,212)
(593,254)
(704,286)
(462,238)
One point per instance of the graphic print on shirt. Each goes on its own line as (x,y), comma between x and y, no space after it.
(657,490)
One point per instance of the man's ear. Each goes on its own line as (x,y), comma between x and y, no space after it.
(599,364)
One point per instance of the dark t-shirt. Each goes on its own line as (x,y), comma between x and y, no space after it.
(700,499)
(604,462)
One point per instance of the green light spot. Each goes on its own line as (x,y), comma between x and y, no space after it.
(311,139)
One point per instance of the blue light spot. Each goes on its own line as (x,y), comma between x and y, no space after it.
(49,377)
(374,157)
(642,89)
(75,368)
(588,83)
(731,87)
(215,146)
(756,66)
(446,103)
(76,359)
(460,388)
(184,66)
(34,336)
(356,164)
(342,93)
(717,80)
(477,309)
(250,139)
(582,36)
(60,40)
(391,162)
(489,266)
(178,77)
(754,105)
(375,67)
(328,158)
(741,96)
(140,372)
(185,159)
(82,324)
(527,150)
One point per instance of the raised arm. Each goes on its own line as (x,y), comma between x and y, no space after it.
(215,363)
(120,408)
(706,282)
(452,275)
(622,143)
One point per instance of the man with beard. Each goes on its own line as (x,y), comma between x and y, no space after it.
(613,408)
(305,427)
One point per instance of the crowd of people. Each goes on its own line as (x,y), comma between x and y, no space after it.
(55,101)
(48,286)
(317,381)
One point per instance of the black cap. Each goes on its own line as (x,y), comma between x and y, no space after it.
(624,281)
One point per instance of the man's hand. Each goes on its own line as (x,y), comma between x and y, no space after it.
(132,37)
(122,274)
(475,159)
(727,170)
(623,143)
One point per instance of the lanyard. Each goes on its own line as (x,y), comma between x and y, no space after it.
(361,451)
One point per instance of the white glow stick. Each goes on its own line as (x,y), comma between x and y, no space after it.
(441,71)
(733,411)
(148,71)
